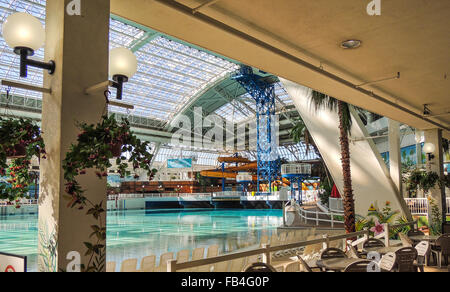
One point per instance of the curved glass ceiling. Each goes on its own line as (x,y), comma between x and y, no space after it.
(169,73)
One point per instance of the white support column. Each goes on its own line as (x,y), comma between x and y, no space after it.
(80,47)
(395,157)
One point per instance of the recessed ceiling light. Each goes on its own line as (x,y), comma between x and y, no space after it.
(351,44)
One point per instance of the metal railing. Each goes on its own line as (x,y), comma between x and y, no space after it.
(419,206)
(227,194)
(315,216)
(336,205)
(23,202)
(267,250)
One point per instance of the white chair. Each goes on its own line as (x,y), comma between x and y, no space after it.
(290,238)
(148,264)
(422,251)
(237,265)
(129,266)
(213,251)
(264,240)
(292,267)
(111,267)
(183,256)
(282,238)
(274,241)
(387,262)
(163,262)
(221,267)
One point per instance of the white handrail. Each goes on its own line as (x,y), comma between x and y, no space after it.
(316,216)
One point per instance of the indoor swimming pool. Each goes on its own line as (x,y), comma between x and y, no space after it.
(136,234)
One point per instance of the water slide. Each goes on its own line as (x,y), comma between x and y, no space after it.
(371,180)
(232,172)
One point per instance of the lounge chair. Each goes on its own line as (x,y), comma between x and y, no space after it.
(183,256)
(110,267)
(163,262)
(442,249)
(213,251)
(129,266)
(148,264)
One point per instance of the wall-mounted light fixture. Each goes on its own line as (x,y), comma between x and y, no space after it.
(25,34)
(122,66)
(429,149)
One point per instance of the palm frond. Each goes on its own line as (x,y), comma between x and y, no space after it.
(321,101)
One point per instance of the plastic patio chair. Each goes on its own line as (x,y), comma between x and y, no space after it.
(423,249)
(163,261)
(405,259)
(183,256)
(129,266)
(332,253)
(292,267)
(373,242)
(213,251)
(148,264)
(442,249)
(358,267)
(387,262)
(111,267)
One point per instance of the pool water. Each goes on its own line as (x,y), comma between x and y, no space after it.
(136,234)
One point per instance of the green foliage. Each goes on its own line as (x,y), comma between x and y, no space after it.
(93,150)
(386,215)
(326,187)
(436,221)
(418,179)
(17,135)
(323,101)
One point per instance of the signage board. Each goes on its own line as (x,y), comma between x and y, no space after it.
(12,263)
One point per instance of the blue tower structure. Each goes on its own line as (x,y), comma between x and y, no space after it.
(263,92)
(296,173)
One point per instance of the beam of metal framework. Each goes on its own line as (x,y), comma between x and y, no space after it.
(263,92)
(204,5)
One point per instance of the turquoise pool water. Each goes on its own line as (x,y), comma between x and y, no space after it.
(135,234)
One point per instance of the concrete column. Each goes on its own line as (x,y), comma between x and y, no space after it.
(436,165)
(418,148)
(79,45)
(395,157)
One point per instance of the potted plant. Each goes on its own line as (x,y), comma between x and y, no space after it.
(20,140)
(96,145)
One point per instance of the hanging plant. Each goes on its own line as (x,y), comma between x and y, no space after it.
(422,180)
(20,140)
(95,146)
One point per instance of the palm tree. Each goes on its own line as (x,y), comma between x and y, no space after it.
(322,101)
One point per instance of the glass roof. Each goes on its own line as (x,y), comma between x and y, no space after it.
(169,73)
(9,62)
(234,112)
